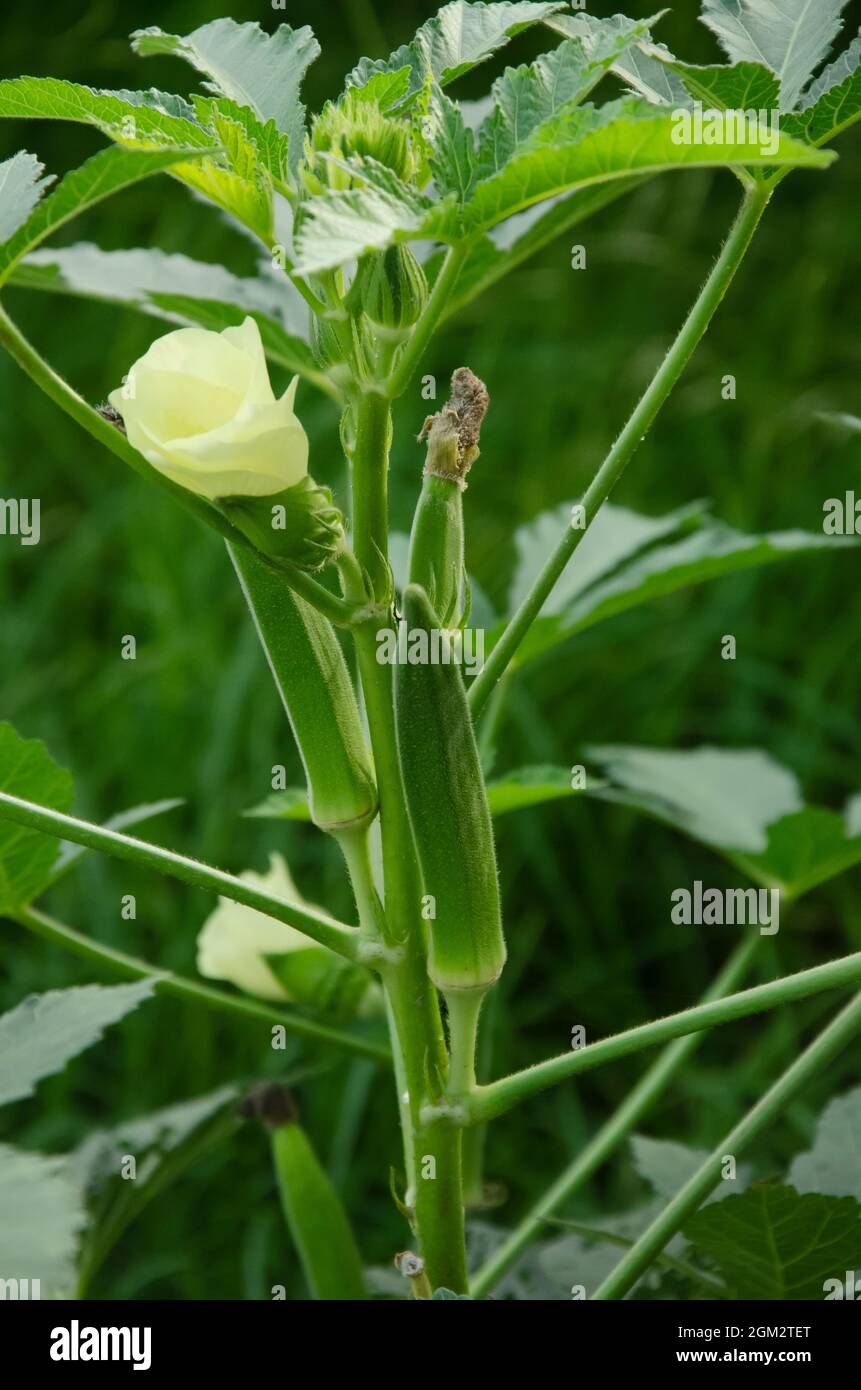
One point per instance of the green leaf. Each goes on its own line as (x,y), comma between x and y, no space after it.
(790,36)
(270,147)
(453,158)
(457,39)
(21,187)
(771,1242)
(496,254)
(183,291)
(342,226)
(252,68)
(833,1165)
(605,578)
(290,804)
(647,71)
(106,173)
(150,1138)
(739,802)
(804,850)
(127,117)
(588,145)
(41,1215)
(27,857)
(727,798)
(743,87)
(529,786)
(666,1166)
(832,102)
(446,1295)
(45,1031)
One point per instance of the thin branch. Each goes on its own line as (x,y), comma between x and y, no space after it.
(612,1133)
(489,1101)
(643,416)
(325,930)
(645,1250)
(166,982)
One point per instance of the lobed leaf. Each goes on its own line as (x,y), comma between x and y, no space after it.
(183,291)
(790,36)
(453,160)
(44,1032)
(613,571)
(138,120)
(21,187)
(771,1242)
(726,798)
(832,102)
(107,172)
(804,850)
(455,40)
(255,69)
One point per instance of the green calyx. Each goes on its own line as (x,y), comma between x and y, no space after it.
(315,976)
(449,814)
(300,524)
(355,127)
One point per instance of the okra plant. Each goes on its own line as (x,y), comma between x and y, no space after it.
(376,221)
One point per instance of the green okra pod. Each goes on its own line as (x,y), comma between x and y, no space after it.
(312,1208)
(312,678)
(448,810)
(436,543)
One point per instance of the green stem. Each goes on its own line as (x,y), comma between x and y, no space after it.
(166,982)
(369,459)
(346,941)
(355,847)
(832,1040)
(611,1135)
(63,395)
(464,1007)
(489,1101)
(427,324)
(643,416)
(431,1148)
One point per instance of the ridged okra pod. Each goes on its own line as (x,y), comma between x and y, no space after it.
(312,678)
(436,543)
(312,1208)
(449,813)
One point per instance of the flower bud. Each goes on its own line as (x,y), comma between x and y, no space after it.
(391,288)
(301,524)
(355,127)
(200,408)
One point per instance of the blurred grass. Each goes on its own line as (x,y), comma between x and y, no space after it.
(565,355)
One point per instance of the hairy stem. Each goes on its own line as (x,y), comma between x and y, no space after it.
(643,416)
(431,1149)
(166,982)
(346,941)
(832,1040)
(611,1134)
(499,1096)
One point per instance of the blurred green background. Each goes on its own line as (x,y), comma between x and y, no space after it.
(587,886)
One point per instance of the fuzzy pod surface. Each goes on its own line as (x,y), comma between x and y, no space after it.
(312,677)
(436,545)
(449,813)
(316,1219)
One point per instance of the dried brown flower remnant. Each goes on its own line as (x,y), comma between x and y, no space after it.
(452,434)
